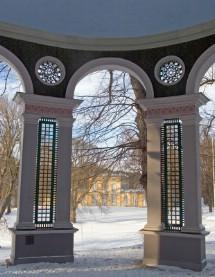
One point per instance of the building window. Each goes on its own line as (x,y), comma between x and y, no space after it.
(135,200)
(94,187)
(172,175)
(46,174)
(114,199)
(126,200)
(104,199)
(113,187)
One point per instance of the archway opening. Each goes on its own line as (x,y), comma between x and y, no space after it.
(10,79)
(207,134)
(207,156)
(109,161)
(10,143)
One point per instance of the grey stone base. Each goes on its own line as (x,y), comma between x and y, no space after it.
(175,249)
(31,246)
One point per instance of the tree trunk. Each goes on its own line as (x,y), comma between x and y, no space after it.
(9,207)
(4,204)
(139,92)
(145,195)
(73,215)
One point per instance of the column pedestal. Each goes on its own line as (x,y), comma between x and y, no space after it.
(175,249)
(33,246)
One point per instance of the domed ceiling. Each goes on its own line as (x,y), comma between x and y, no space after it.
(107,23)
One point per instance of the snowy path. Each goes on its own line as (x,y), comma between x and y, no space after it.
(107,245)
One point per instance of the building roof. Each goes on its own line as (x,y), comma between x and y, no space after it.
(106,23)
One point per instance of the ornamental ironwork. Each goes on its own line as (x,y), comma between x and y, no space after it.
(169,70)
(50,71)
(172,187)
(46,176)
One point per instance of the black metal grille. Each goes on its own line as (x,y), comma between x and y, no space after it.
(172,191)
(46,176)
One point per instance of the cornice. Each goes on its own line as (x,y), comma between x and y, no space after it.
(109,44)
(185,106)
(196,99)
(46,101)
(46,106)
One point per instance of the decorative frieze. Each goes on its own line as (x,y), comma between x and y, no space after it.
(174,106)
(46,106)
(167,111)
(50,111)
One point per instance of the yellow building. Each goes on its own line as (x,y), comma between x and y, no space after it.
(114,191)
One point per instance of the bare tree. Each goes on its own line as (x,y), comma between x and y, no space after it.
(207,170)
(87,166)
(139,92)
(10,81)
(112,120)
(111,123)
(10,132)
(208,79)
(208,82)
(206,138)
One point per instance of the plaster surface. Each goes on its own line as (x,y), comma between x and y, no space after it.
(95,18)
(91,22)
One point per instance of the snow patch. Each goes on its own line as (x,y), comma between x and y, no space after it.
(108,244)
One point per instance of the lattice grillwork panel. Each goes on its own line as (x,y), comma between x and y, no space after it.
(172,175)
(46,178)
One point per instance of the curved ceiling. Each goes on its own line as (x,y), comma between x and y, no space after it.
(106,23)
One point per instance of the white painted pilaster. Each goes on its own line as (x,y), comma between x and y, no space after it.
(64,174)
(192,179)
(153,176)
(27,176)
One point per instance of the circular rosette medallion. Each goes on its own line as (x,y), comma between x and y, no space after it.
(169,70)
(50,71)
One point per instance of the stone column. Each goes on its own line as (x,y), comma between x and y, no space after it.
(54,244)
(185,248)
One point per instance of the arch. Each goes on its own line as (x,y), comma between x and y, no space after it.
(199,69)
(110,63)
(17,64)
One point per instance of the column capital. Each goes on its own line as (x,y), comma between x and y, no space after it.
(183,106)
(46,106)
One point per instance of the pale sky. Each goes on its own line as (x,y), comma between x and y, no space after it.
(89,84)
(14,84)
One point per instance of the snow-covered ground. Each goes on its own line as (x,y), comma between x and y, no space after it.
(108,244)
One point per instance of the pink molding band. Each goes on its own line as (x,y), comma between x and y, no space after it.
(41,110)
(178,110)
